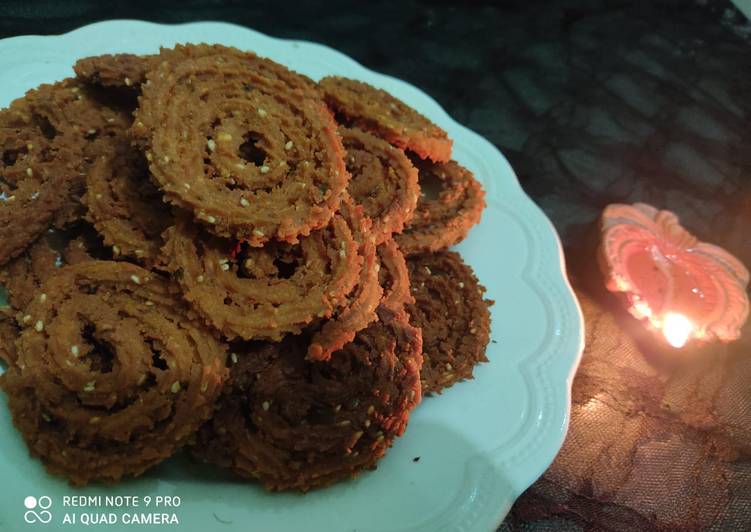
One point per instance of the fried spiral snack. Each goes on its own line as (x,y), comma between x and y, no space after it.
(453,316)
(115,70)
(23,276)
(45,143)
(264,293)
(383,289)
(383,181)
(366,107)
(112,376)
(451,202)
(394,279)
(255,159)
(124,205)
(128,70)
(296,424)
(8,336)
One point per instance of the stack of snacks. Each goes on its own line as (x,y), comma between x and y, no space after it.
(203,248)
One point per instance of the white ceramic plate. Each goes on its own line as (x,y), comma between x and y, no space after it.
(480,444)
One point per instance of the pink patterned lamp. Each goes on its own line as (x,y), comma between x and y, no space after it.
(684,288)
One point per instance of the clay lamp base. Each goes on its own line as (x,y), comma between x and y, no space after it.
(683,288)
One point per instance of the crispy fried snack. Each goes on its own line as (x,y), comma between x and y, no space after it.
(128,70)
(454,318)
(295,424)
(23,276)
(383,181)
(394,279)
(8,336)
(124,205)
(264,293)
(112,375)
(45,142)
(361,105)
(360,307)
(451,202)
(118,70)
(254,158)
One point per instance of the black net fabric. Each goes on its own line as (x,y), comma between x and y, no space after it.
(650,445)
(659,439)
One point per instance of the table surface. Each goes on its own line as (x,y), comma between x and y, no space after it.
(593,102)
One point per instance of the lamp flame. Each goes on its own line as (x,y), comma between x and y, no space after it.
(676,328)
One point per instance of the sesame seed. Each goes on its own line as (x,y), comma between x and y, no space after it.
(367,423)
(11,198)
(115,250)
(233,356)
(94,420)
(175,387)
(371,409)
(110,120)
(91,132)
(211,144)
(186,185)
(139,253)
(204,386)
(98,196)
(149,157)
(200,278)
(244,202)
(258,232)
(149,303)
(89,386)
(449,367)
(127,82)
(342,253)
(39,326)
(265,405)
(74,350)
(43,298)
(29,172)
(337,408)
(135,279)
(224,137)
(428,270)
(344,423)
(165,159)
(26,319)
(264,169)
(262,112)
(225,267)
(210,219)
(289,145)
(461,285)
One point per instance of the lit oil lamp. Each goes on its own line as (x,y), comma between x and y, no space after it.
(684,288)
